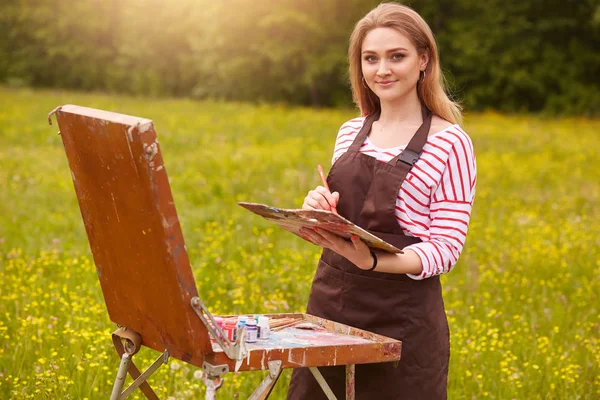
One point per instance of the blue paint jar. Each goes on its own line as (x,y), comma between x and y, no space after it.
(241,322)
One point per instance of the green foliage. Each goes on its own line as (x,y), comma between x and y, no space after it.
(521,302)
(521,55)
(526,55)
(286,50)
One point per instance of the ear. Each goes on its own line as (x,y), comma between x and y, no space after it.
(423,60)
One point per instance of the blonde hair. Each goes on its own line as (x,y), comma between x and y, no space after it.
(431,89)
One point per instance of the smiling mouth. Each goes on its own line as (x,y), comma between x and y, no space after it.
(385,82)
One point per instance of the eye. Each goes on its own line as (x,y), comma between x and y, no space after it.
(398,56)
(370,58)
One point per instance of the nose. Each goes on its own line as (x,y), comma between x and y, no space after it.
(383,68)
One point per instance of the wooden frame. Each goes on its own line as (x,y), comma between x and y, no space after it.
(147,282)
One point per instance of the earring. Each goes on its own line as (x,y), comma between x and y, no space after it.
(422,78)
(364,83)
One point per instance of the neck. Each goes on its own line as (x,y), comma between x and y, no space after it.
(403,110)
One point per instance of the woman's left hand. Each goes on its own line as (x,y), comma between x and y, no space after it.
(355,250)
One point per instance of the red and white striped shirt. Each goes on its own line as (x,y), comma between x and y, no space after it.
(435,200)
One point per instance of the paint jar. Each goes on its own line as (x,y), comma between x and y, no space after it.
(241,323)
(242,320)
(263,327)
(229,326)
(219,322)
(251,331)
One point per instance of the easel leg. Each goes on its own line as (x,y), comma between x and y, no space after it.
(121,375)
(141,379)
(350,376)
(127,343)
(323,383)
(212,385)
(263,390)
(212,378)
(126,366)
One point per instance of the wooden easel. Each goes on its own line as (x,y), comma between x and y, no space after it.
(145,274)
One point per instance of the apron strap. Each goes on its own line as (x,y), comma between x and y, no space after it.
(413,149)
(364,131)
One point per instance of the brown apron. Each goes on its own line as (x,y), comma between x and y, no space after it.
(393,305)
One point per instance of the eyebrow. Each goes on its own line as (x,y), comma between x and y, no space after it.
(388,51)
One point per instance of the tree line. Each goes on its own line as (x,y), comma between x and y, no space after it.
(509,55)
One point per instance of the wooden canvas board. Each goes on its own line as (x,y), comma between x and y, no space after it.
(133,229)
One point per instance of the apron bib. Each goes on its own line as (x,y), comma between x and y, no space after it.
(393,305)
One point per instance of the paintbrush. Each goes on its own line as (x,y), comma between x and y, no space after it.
(280,321)
(324,180)
(287,325)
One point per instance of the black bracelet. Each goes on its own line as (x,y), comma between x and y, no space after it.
(374,261)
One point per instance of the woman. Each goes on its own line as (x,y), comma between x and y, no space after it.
(406,172)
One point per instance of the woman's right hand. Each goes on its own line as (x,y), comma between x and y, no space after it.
(320,199)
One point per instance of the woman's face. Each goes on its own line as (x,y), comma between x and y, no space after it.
(390,63)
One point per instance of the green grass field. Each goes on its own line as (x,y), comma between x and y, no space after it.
(523,302)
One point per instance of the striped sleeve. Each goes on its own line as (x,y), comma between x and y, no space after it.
(450,208)
(346,136)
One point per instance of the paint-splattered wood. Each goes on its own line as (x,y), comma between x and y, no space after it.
(336,344)
(133,229)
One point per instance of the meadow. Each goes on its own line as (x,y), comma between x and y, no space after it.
(523,302)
